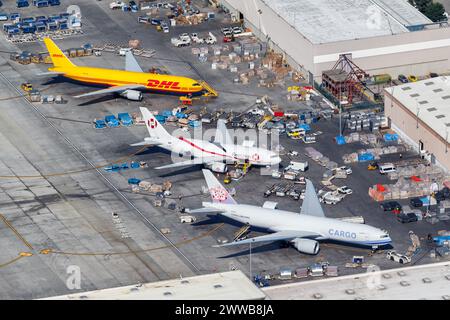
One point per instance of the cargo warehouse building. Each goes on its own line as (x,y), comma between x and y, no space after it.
(420,113)
(383,36)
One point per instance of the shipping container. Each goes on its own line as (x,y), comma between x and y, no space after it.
(381,78)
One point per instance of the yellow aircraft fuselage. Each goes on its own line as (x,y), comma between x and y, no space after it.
(114,78)
(111,77)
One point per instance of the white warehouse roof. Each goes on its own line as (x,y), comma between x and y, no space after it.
(429,99)
(232,285)
(430,281)
(324,21)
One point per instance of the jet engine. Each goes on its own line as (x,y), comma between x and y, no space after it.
(132,95)
(306,245)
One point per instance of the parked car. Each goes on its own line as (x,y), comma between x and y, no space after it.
(237,30)
(402,78)
(155,22)
(227,31)
(391,205)
(345,190)
(416,202)
(400,258)
(386,168)
(346,169)
(134,7)
(412,78)
(3,16)
(165,27)
(117,5)
(407,217)
(196,38)
(373,166)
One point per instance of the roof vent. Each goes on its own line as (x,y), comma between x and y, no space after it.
(446,97)
(406,88)
(167,293)
(438,90)
(317,296)
(414,95)
(432,109)
(430,83)
(440,116)
(423,102)
(350,291)
(218,286)
(404,283)
(426,280)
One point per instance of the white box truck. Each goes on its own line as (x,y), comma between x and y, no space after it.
(298,166)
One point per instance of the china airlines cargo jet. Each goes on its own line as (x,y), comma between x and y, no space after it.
(128,83)
(303,229)
(204,152)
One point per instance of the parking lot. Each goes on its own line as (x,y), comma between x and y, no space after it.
(59,201)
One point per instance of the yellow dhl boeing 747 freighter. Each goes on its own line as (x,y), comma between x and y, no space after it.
(128,83)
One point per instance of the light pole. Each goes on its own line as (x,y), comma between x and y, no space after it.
(250,260)
(417,114)
(446,137)
(340,110)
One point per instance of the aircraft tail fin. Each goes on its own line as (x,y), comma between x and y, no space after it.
(59,59)
(218,193)
(222,136)
(155,129)
(311,204)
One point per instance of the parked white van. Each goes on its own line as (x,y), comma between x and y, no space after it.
(387,167)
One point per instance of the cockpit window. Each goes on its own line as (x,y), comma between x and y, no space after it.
(196,85)
(274,156)
(384,236)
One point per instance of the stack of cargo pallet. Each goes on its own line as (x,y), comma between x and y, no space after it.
(403,189)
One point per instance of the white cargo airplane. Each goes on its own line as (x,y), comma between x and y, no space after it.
(303,229)
(204,152)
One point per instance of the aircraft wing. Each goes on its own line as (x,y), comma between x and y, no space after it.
(204,211)
(311,204)
(146,142)
(112,89)
(130,63)
(202,160)
(280,235)
(50,73)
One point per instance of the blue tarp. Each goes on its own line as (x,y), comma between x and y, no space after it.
(100,124)
(366,157)
(167,113)
(181,115)
(133,181)
(125,119)
(305,126)
(425,201)
(112,121)
(340,140)
(134,165)
(390,137)
(161,119)
(194,123)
